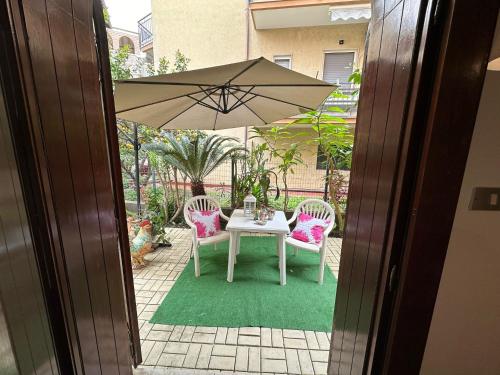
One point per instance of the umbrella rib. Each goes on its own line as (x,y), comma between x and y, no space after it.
(162,101)
(244,70)
(180,113)
(210,96)
(177,115)
(240,99)
(278,100)
(203,103)
(237,105)
(250,109)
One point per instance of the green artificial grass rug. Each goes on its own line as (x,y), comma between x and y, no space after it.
(255,297)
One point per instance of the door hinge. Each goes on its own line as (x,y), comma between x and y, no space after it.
(393,279)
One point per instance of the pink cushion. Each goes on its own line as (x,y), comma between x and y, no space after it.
(207,222)
(309,229)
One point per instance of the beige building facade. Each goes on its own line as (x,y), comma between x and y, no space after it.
(219,32)
(297,34)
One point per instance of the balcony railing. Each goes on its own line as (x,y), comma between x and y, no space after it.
(145,31)
(347,101)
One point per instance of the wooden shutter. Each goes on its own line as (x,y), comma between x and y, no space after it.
(59,64)
(338,67)
(380,148)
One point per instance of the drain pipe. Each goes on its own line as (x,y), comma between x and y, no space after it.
(247,56)
(248,30)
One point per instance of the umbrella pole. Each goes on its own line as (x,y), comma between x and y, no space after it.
(137,175)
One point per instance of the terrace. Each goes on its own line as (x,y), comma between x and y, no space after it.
(244,349)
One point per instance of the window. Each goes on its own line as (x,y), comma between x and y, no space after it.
(338,67)
(284,61)
(126,41)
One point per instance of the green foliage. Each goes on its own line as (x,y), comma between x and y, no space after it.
(180,65)
(278,141)
(155,211)
(181,62)
(163,65)
(255,177)
(197,157)
(162,236)
(355,77)
(118,64)
(333,135)
(105,13)
(334,138)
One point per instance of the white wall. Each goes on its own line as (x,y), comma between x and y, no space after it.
(464,336)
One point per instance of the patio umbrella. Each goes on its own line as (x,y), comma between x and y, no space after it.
(253,92)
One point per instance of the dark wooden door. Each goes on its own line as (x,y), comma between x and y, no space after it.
(69,163)
(26,344)
(380,144)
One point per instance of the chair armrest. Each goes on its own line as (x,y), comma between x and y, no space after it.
(188,221)
(293,218)
(221,214)
(329,228)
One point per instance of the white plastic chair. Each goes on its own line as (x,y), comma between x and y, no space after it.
(203,203)
(320,210)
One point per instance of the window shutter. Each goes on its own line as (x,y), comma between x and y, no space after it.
(338,67)
(283,61)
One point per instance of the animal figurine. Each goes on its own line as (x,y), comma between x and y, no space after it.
(131,227)
(141,244)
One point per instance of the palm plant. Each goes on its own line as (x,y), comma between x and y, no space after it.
(196,157)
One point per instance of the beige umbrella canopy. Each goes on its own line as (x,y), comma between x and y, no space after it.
(248,93)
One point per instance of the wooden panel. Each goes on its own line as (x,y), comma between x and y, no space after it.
(116,171)
(69,136)
(380,131)
(454,99)
(390,155)
(355,192)
(101,167)
(23,313)
(371,180)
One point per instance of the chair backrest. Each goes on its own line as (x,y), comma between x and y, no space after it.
(318,209)
(201,203)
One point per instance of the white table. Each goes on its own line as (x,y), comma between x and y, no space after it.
(239,223)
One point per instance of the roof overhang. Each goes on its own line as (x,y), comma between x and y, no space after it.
(279,14)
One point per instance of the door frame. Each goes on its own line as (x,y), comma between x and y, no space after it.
(402,324)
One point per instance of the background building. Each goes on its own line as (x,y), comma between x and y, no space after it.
(118,38)
(321,39)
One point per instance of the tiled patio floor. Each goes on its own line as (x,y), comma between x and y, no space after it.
(224,350)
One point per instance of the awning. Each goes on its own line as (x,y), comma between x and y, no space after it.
(350,14)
